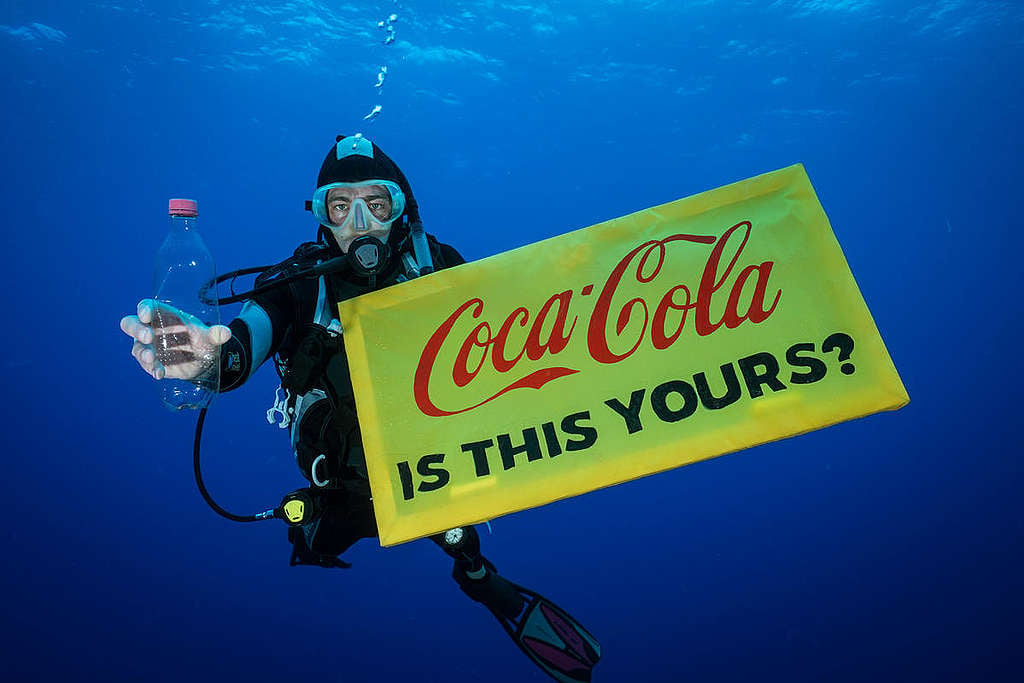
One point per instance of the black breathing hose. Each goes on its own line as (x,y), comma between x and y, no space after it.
(269,514)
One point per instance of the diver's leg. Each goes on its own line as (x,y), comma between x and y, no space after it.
(475,574)
(555,641)
(462,544)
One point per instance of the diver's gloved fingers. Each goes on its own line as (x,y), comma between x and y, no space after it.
(171,317)
(148,309)
(145,310)
(219,335)
(139,326)
(146,357)
(134,328)
(189,347)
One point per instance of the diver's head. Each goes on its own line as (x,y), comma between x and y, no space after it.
(365,209)
(360,193)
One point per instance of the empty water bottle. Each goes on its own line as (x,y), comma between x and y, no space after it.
(183,267)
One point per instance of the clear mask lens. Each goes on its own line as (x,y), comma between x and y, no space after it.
(358,206)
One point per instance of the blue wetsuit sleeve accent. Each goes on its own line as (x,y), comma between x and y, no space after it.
(256,335)
(261,332)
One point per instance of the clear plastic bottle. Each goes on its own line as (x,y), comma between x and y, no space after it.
(183,266)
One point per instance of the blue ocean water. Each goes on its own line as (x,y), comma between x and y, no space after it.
(886,548)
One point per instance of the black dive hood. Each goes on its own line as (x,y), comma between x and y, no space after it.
(351,159)
(354,159)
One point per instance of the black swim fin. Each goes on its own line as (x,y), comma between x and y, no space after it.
(555,641)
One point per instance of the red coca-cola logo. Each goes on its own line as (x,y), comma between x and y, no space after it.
(551,330)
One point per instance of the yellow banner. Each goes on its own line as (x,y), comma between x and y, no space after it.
(675,334)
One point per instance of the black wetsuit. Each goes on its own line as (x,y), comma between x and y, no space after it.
(311,359)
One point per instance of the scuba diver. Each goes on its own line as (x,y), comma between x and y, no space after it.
(370,236)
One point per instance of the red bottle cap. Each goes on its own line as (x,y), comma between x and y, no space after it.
(182,207)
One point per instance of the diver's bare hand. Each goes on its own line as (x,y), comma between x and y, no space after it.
(171,343)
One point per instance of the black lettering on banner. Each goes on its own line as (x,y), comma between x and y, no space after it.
(758,370)
(428,467)
(630,413)
(587,433)
(551,438)
(754,379)
(845,344)
(732,388)
(530,446)
(583,436)
(659,400)
(671,401)
(405,474)
(434,476)
(479,451)
(816,369)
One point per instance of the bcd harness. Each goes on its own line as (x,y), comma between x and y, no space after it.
(315,398)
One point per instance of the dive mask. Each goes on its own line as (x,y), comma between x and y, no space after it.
(367,206)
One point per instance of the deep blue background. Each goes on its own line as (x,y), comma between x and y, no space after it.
(886,548)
